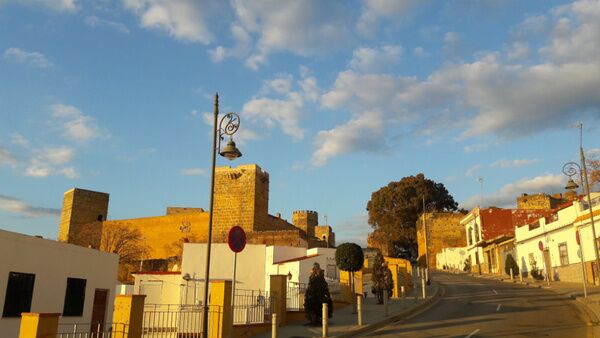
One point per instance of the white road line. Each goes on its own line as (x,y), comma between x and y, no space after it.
(498,308)
(472,333)
(496,292)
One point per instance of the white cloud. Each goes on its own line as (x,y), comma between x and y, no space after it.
(193,172)
(74,124)
(506,196)
(594,152)
(421,53)
(17,206)
(33,59)
(514,163)
(69,172)
(373,10)
(185,20)
(473,170)
(94,21)
(6,157)
(301,27)
(361,134)
(19,140)
(69,6)
(375,59)
(45,162)
(38,169)
(283,112)
(518,50)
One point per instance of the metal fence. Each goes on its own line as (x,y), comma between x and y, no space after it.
(295,296)
(174,320)
(89,330)
(252,306)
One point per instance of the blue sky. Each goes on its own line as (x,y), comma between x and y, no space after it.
(336,98)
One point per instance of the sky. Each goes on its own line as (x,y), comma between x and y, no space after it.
(336,99)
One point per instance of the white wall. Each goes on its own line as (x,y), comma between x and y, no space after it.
(453,258)
(52,263)
(162,288)
(250,265)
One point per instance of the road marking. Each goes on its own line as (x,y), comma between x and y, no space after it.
(472,333)
(496,292)
(498,308)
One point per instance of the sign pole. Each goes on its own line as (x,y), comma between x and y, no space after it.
(233,292)
(583,274)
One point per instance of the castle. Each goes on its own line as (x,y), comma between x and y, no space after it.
(241,197)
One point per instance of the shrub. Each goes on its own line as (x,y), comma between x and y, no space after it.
(535,272)
(381,279)
(349,257)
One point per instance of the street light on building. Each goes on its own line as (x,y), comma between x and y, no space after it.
(228,125)
(571,169)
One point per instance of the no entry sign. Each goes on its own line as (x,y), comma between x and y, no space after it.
(236,239)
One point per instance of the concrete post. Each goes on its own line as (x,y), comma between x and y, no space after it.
(402,292)
(38,325)
(324,315)
(385,302)
(423,288)
(511,274)
(359,309)
(521,276)
(274,325)
(220,298)
(129,311)
(279,290)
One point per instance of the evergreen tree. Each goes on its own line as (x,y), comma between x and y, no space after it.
(511,263)
(381,278)
(316,294)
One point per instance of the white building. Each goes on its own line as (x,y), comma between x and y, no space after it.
(451,258)
(46,276)
(550,242)
(255,265)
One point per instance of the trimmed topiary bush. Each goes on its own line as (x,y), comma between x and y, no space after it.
(349,257)
(511,263)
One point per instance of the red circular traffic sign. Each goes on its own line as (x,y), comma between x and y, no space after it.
(236,239)
(577,237)
(541,245)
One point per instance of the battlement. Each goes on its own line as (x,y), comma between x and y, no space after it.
(308,212)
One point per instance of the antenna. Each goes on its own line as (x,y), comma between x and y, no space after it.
(326,222)
(480,179)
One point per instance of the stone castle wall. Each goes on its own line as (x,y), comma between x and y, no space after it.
(443,231)
(540,201)
(306,220)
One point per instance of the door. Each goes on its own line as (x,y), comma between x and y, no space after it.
(548,266)
(99,310)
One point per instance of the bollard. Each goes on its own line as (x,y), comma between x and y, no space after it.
(511,274)
(424,289)
(418,271)
(324,314)
(274,326)
(521,276)
(359,310)
(385,302)
(402,292)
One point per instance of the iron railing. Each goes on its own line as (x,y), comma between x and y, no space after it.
(252,306)
(92,330)
(295,296)
(174,320)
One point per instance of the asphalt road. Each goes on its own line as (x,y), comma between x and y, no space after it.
(478,307)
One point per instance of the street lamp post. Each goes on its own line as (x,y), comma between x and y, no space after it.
(228,126)
(570,169)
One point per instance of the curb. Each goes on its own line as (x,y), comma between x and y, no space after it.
(441,291)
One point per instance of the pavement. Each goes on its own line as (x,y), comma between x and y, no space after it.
(489,307)
(344,322)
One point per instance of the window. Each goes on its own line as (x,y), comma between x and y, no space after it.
(470,236)
(19,292)
(100,218)
(564,254)
(74,297)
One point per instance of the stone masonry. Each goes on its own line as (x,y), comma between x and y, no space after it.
(443,231)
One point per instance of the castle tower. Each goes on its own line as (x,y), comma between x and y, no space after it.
(306,220)
(81,207)
(241,198)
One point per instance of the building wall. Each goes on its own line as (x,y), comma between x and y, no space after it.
(539,201)
(443,231)
(453,258)
(52,263)
(250,264)
(81,207)
(325,233)
(165,288)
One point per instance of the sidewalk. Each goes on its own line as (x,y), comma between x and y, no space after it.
(568,289)
(343,322)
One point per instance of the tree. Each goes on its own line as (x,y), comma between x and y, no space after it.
(381,278)
(395,208)
(316,294)
(511,264)
(116,237)
(350,257)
